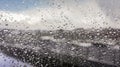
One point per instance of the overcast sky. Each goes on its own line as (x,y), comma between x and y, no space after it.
(66,14)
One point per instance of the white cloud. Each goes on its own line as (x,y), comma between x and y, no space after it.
(68,15)
(11,17)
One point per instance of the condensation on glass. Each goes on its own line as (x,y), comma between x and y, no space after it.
(59,33)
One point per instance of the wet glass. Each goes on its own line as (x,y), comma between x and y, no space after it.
(59,33)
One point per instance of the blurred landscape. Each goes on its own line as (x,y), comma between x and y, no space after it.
(94,46)
(108,36)
(60,33)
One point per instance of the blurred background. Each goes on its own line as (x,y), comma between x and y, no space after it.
(59,14)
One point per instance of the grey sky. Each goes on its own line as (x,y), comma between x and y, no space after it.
(68,14)
(112,10)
